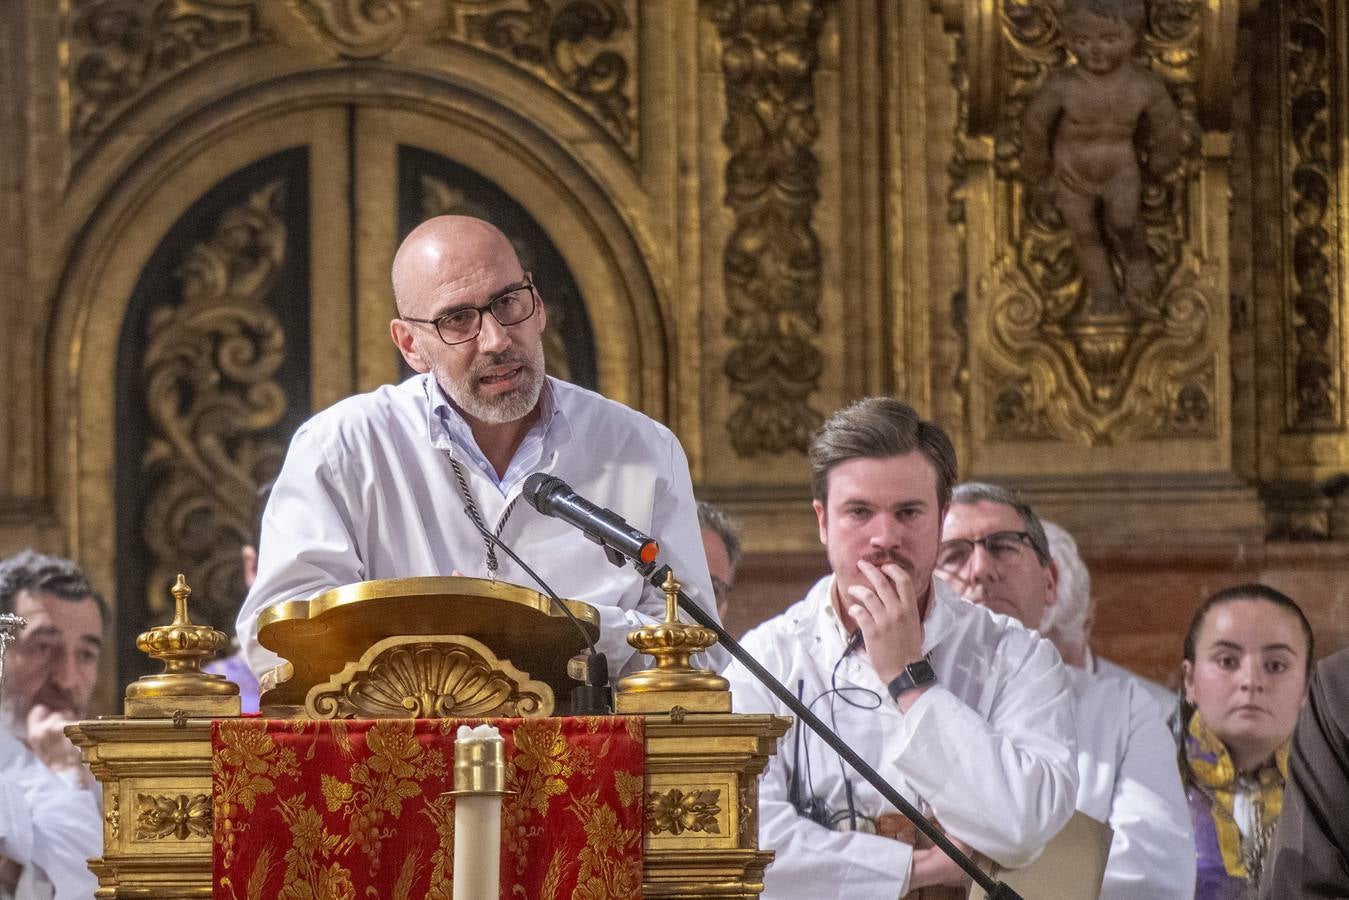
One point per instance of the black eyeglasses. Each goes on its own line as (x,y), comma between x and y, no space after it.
(1003,546)
(511,307)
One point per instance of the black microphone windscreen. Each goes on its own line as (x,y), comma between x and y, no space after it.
(537,487)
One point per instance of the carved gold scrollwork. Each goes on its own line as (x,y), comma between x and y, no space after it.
(120,49)
(431,677)
(1051,375)
(440,198)
(749,817)
(584,48)
(210,392)
(357,29)
(1054,367)
(1315,377)
(113,817)
(772,258)
(677,812)
(159,815)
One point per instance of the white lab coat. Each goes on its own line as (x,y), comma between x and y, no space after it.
(367,492)
(1164,698)
(989,749)
(1126,763)
(48,825)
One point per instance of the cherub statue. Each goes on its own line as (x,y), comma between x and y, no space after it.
(1081,129)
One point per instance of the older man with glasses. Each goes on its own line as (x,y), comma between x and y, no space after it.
(994,553)
(395,483)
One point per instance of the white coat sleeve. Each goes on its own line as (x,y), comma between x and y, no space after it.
(809,859)
(46,822)
(1006,784)
(1152,851)
(309,542)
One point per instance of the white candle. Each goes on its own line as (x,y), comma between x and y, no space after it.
(479,783)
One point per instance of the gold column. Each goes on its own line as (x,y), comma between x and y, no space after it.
(1302,327)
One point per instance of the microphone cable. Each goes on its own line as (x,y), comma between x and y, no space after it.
(807,803)
(594,701)
(854,642)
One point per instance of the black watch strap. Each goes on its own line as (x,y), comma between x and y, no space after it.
(915,675)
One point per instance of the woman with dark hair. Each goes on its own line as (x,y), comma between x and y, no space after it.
(1247,656)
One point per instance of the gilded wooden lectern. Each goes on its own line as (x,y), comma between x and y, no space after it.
(425,650)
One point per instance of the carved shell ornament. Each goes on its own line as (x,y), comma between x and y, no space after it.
(429,677)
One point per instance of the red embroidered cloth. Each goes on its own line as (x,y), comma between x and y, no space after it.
(335,810)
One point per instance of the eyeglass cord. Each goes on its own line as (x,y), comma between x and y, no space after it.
(472,509)
(810,806)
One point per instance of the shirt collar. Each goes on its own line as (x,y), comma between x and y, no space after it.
(446,425)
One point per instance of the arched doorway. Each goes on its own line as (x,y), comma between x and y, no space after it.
(247,286)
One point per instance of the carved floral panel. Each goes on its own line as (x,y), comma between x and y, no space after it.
(1314,315)
(120,50)
(586,49)
(772,261)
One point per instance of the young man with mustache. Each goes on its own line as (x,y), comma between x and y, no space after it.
(50,821)
(389,484)
(995,553)
(964,712)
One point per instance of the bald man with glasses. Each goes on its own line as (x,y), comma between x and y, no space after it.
(393,483)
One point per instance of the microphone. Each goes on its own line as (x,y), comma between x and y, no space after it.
(554,497)
(592,697)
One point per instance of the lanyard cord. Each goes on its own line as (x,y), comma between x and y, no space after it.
(472,509)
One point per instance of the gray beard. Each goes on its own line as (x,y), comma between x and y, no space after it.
(498,410)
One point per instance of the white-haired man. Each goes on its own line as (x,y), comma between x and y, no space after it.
(994,553)
(1068,622)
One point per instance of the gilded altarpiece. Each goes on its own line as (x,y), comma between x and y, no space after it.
(1117,401)
(1301,344)
(173,314)
(759,210)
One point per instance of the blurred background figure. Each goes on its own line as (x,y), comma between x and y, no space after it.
(50,821)
(234,666)
(1247,656)
(1068,622)
(721,543)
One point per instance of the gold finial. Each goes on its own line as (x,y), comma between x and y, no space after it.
(180,592)
(671,589)
(673,681)
(182,687)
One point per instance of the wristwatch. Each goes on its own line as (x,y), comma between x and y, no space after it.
(915,675)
